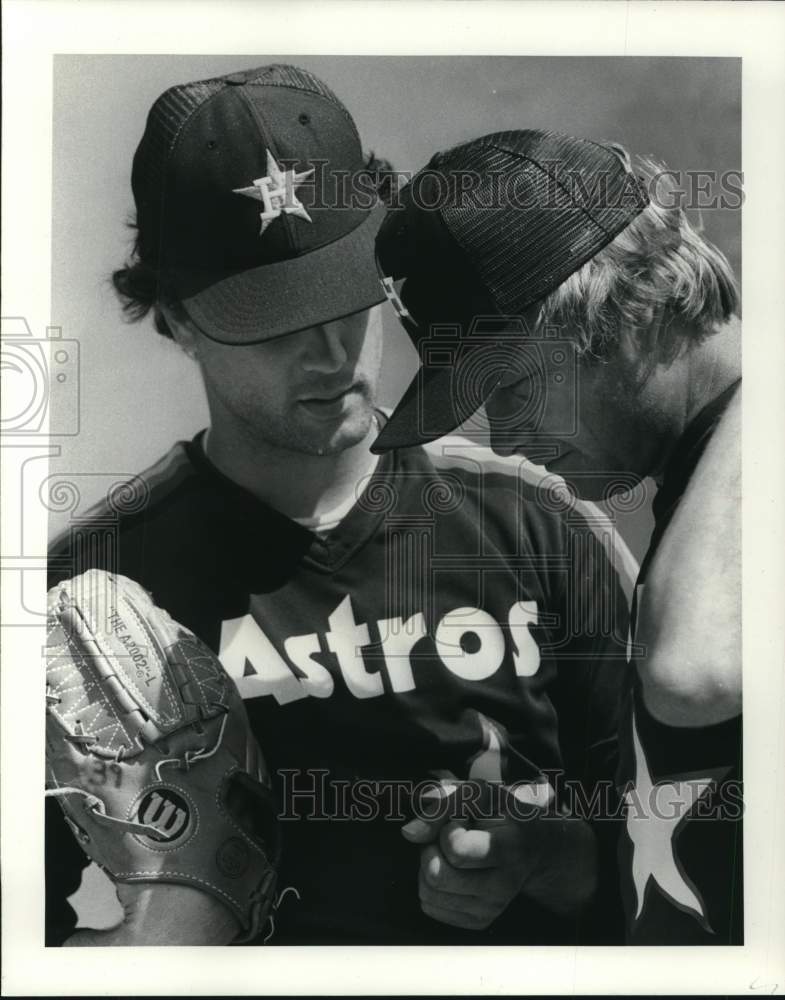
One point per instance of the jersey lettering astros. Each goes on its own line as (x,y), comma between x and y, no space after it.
(460,621)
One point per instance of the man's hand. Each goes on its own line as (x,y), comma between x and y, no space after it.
(471,870)
(164,914)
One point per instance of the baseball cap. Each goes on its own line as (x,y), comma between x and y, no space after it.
(247,206)
(481,235)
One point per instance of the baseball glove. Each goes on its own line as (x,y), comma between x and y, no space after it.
(150,752)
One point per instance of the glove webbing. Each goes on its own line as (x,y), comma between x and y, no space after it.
(76,623)
(136,721)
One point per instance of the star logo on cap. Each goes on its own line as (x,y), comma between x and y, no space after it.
(276,193)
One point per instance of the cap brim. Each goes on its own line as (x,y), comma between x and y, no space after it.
(267,302)
(439,399)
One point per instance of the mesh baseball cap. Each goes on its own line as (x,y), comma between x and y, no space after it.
(483,233)
(246,204)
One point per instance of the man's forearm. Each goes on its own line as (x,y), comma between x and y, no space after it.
(163,914)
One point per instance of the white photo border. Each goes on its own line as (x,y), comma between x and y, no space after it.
(35,30)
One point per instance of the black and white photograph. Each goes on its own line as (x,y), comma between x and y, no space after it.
(390,533)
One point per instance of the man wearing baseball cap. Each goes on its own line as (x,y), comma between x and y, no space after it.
(394,659)
(544,277)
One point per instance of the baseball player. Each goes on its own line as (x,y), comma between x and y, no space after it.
(588,255)
(429,645)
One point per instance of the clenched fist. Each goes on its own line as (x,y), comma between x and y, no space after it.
(472,869)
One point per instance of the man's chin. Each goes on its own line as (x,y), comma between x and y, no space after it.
(597,486)
(335,436)
(588,480)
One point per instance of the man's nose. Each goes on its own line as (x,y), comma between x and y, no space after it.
(325,351)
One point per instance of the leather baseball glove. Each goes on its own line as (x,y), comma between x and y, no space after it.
(150,752)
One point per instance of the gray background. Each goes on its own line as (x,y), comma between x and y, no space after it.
(138,392)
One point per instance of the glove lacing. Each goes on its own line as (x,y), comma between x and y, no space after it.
(97,806)
(274,909)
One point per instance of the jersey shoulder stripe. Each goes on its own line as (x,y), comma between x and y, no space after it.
(455,451)
(139,493)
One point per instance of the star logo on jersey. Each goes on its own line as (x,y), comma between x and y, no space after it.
(276,193)
(495,756)
(654,814)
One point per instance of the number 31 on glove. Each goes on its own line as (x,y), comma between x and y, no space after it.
(150,752)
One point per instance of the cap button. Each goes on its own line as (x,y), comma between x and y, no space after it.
(236,79)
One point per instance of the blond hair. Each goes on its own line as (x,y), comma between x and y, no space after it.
(660,269)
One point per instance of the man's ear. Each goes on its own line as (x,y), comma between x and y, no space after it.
(637,354)
(630,346)
(182,332)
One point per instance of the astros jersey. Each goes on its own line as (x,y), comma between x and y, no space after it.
(681,854)
(459,621)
